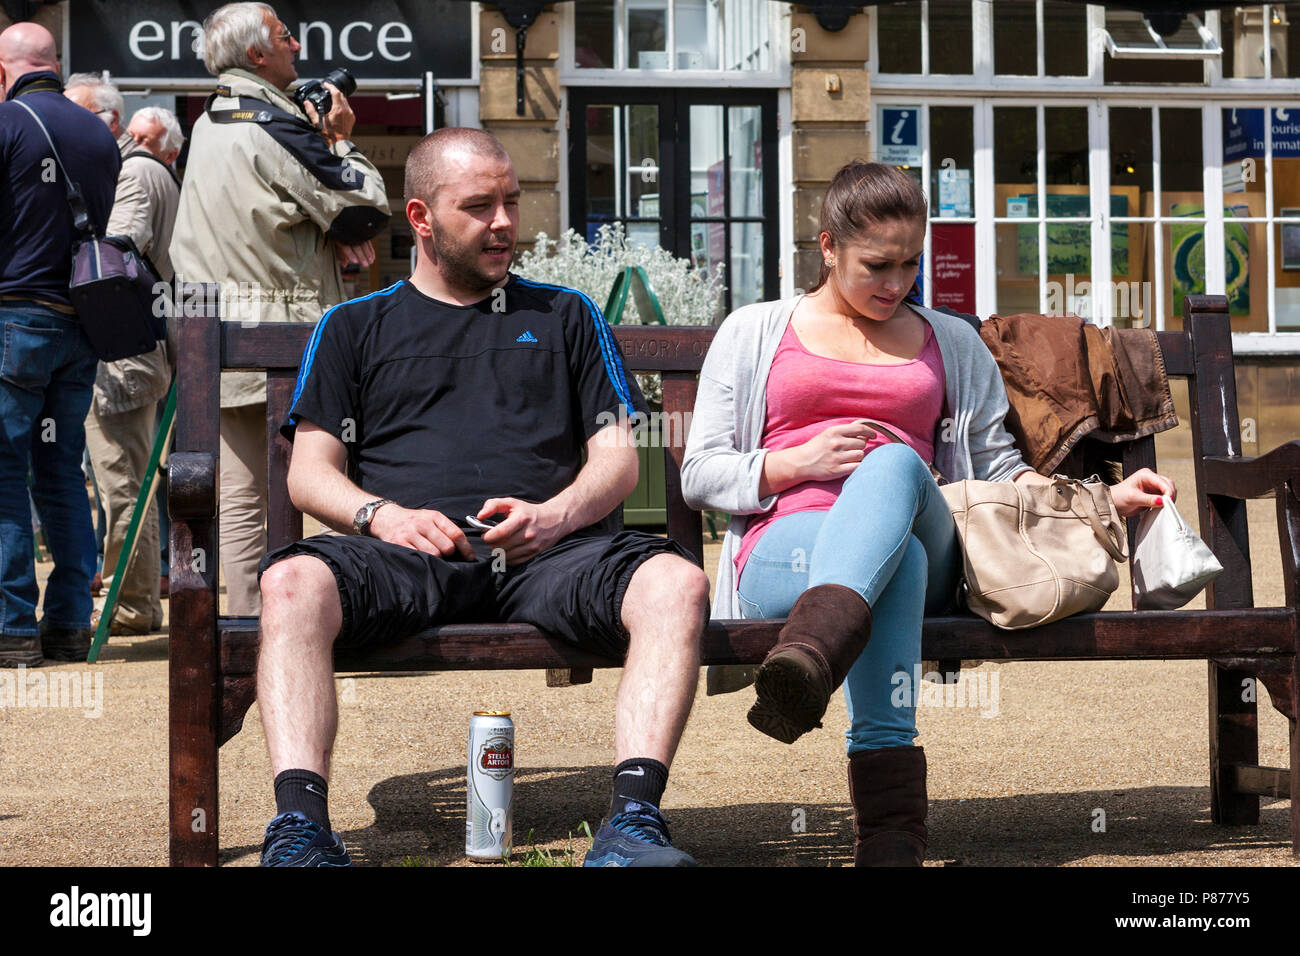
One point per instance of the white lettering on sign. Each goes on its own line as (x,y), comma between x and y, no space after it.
(148,40)
(304,37)
(196,34)
(344,46)
(138,36)
(403,36)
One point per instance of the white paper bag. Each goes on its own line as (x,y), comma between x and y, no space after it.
(1171,565)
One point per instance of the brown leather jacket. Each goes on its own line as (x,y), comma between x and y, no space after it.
(1067,379)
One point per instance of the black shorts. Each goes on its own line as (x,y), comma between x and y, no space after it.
(573,590)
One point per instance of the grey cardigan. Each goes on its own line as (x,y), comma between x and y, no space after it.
(724,453)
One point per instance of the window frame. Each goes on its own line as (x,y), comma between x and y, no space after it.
(983,91)
(569,74)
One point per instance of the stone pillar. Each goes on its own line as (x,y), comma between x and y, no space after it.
(533,140)
(830,100)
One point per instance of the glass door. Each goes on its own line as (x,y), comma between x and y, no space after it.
(691,170)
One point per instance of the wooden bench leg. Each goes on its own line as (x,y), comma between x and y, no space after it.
(567,676)
(194,665)
(1234,739)
(1295,787)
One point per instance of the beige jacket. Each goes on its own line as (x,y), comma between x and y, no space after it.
(260,221)
(144,208)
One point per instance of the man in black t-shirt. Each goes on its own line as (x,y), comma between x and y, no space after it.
(442,421)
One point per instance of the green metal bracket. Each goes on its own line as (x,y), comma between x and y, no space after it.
(143,501)
(633,281)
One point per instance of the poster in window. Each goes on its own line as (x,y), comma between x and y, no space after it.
(1291,242)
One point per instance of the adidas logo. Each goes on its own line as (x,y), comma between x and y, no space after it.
(527,337)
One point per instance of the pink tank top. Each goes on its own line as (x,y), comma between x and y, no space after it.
(808,393)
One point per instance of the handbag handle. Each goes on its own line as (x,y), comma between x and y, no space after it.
(1115,544)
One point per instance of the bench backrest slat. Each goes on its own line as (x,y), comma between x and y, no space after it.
(1212,397)
(283,520)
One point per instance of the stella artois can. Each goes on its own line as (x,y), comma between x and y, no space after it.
(490,785)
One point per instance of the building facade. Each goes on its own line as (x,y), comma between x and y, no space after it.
(1078,159)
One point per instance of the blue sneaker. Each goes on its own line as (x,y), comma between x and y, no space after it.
(293,840)
(636,837)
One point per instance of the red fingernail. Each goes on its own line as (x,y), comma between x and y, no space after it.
(1160,502)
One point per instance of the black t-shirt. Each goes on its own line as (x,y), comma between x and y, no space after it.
(444,406)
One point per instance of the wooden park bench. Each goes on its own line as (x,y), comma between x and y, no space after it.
(213,658)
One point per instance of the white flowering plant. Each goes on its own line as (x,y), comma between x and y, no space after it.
(687,296)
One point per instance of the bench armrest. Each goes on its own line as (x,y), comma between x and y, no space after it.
(1238,477)
(191,485)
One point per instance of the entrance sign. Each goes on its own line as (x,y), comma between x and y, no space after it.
(145,40)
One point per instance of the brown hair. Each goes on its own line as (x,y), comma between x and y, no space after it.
(862,195)
(425,164)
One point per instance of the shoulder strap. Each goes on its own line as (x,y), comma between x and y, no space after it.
(80,215)
(297,136)
(145,154)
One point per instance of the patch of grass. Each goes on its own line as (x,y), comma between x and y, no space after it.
(534,855)
(417,861)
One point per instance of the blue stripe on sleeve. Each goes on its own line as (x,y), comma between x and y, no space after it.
(309,354)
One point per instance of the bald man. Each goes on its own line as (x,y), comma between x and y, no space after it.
(48,368)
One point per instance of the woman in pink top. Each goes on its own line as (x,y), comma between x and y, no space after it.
(859,543)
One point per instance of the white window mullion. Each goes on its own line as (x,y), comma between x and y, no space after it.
(1214,22)
(671,36)
(1269,210)
(982,35)
(1268,41)
(1039,38)
(620,34)
(926,161)
(1102,299)
(1040,121)
(1212,146)
(1158,239)
(785,193)
(620,165)
(925,37)
(986,266)
(1096,24)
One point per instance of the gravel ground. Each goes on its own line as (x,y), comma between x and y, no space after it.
(1027,778)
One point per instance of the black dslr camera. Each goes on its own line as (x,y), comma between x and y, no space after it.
(315,92)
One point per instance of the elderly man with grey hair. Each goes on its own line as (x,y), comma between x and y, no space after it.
(122,422)
(275,201)
(157,130)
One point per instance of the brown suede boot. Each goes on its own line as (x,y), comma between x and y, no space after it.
(825,632)
(887,787)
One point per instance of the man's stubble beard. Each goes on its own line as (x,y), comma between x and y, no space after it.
(459,263)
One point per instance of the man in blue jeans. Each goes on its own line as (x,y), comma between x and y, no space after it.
(47,367)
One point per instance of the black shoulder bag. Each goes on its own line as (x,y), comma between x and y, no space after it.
(120,299)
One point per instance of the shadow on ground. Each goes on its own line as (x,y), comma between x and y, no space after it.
(421,817)
(150,648)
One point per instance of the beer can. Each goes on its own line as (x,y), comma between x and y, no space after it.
(489,785)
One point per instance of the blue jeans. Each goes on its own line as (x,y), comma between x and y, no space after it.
(47,372)
(890,537)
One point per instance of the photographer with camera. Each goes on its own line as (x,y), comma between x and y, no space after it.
(276,200)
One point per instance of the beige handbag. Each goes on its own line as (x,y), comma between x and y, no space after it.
(1035,553)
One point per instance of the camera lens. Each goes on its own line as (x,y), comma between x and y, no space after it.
(343,80)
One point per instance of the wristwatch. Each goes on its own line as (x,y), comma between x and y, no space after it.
(366,514)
